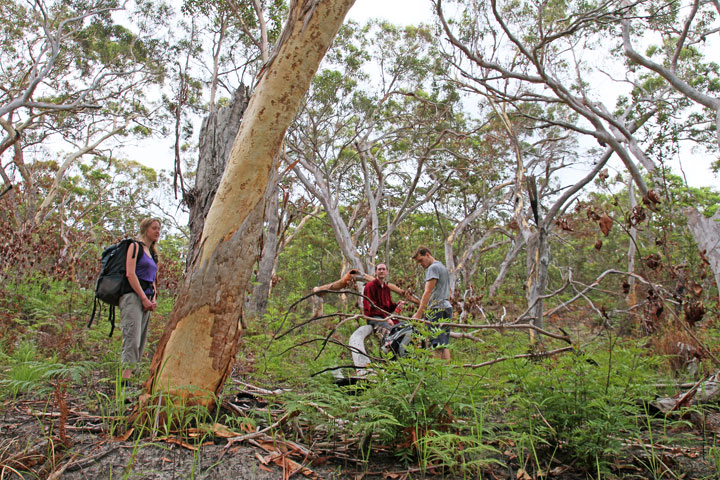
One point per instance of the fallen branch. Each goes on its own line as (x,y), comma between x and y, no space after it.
(597,281)
(262,432)
(516,357)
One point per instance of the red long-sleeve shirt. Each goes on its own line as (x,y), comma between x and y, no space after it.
(381,297)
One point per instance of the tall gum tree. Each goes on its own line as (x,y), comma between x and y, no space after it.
(198,347)
(363,146)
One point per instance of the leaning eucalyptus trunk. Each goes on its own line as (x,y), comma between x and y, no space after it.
(515,247)
(198,347)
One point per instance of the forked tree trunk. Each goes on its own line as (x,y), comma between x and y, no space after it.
(198,347)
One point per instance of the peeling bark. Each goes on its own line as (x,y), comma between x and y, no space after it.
(258,301)
(217,134)
(197,349)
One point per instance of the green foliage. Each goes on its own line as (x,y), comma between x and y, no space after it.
(28,373)
(582,405)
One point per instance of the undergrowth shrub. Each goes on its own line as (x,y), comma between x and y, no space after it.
(582,405)
(26,372)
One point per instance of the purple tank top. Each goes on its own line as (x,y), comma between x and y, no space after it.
(145,268)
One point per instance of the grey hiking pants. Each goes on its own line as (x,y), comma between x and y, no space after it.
(134,325)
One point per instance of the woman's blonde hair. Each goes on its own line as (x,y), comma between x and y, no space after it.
(144,225)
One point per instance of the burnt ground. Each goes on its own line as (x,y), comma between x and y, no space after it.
(38,441)
(68,437)
(33,445)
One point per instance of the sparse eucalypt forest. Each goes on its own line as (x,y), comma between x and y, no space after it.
(560,158)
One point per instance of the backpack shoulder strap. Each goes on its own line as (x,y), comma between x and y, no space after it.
(92,315)
(132,242)
(111,317)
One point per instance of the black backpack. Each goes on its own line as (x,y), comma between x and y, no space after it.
(112,282)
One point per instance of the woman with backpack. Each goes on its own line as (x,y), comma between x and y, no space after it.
(136,305)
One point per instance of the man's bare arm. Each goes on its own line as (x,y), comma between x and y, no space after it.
(429,287)
(406,294)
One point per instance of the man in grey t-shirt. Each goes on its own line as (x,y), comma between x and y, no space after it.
(435,304)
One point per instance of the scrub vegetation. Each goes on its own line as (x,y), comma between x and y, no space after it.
(535,148)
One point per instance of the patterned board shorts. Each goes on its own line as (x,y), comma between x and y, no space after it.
(441,315)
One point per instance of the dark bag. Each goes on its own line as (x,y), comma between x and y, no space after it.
(399,337)
(112,282)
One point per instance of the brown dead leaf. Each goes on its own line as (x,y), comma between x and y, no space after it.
(260,458)
(638,215)
(124,436)
(697,289)
(522,475)
(177,441)
(592,215)
(563,224)
(653,261)
(603,175)
(653,196)
(694,311)
(316,462)
(293,467)
(605,223)
(598,244)
(220,430)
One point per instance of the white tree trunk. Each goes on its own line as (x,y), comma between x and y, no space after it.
(538,262)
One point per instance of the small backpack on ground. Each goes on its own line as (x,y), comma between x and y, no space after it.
(112,282)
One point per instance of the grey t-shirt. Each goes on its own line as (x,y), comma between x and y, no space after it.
(441,292)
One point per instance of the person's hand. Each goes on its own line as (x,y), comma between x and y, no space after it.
(154,305)
(383,331)
(147,304)
(417,316)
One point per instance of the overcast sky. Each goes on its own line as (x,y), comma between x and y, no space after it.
(401,12)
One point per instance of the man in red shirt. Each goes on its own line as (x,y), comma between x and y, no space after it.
(377,306)
(378,302)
